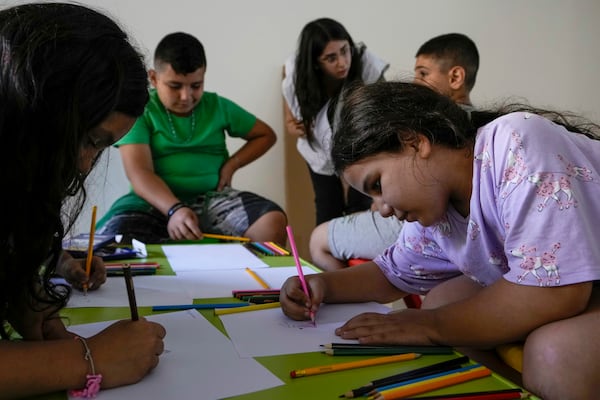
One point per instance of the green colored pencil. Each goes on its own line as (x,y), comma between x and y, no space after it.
(356,351)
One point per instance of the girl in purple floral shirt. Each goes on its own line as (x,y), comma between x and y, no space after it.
(502,210)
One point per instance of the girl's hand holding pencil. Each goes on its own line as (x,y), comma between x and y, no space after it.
(74,271)
(294,302)
(310,304)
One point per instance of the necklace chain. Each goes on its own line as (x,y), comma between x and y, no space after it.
(174,134)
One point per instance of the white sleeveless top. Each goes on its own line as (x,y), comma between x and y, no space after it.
(318,156)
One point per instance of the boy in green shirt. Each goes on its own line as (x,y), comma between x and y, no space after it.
(177,161)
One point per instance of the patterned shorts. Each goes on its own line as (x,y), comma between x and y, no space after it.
(228,212)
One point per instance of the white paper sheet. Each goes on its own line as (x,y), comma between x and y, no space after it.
(199,363)
(220,283)
(270,332)
(149,290)
(198,257)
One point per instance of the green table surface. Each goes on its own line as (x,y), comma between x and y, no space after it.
(324,386)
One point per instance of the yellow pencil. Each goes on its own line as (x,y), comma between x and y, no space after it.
(225,237)
(352,364)
(90,253)
(255,307)
(258,278)
(284,251)
(432,384)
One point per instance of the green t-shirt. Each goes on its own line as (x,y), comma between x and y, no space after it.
(188,162)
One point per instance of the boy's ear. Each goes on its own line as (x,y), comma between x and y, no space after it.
(152,76)
(456,77)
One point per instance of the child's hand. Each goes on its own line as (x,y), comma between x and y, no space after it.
(294,127)
(407,327)
(294,302)
(127,351)
(183,225)
(226,173)
(73,270)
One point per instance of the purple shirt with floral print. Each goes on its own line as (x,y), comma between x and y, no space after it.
(534,214)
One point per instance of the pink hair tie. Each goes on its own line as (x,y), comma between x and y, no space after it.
(92,385)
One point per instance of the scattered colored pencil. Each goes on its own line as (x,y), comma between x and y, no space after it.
(116,269)
(442,366)
(134,271)
(373,351)
(432,384)
(225,237)
(205,306)
(254,292)
(503,394)
(257,278)
(263,249)
(423,378)
(262,299)
(352,364)
(133,266)
(254,307)
(276,247)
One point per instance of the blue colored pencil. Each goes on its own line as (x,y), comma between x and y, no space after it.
(424,378)
(442,366)
(198,306)
(263,248)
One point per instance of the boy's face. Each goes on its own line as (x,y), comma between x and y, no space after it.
(177,92)
(431,72)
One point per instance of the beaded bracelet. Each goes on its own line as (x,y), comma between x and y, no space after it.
(174,208)
(92,385)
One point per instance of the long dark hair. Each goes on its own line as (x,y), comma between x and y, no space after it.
(385,116)
(308,81)
(64,68)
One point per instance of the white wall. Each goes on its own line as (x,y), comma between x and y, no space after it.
(544,51)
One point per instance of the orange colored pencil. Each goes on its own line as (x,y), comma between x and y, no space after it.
(258,278)
(432,384)
(225,237)
(352,364)
(90,253)
(281,249)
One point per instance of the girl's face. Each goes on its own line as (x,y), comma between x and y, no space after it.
(405,185)
(336,59)
(113,128)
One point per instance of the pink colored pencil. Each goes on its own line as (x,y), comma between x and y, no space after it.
(299,267)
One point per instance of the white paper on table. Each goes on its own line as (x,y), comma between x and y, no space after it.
(149,290)
(198,257)
(270,332)
(221,283)
(198,363)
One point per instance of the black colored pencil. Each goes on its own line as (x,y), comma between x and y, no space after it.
(413,374)
(136,271)
(489,394)
(263,299)
(130,292)
(365,346)
(374,350)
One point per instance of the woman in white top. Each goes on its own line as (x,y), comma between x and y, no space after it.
(326,60)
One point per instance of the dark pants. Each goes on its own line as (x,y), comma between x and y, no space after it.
(330,201)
